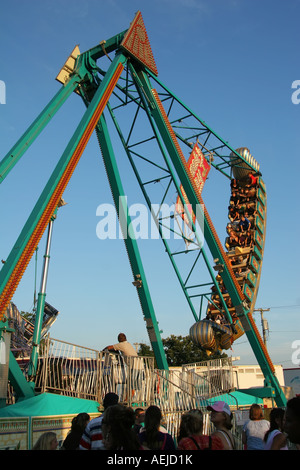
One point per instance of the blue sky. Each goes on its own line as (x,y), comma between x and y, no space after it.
(233,62)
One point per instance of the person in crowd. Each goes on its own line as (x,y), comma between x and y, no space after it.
(118,433)
(274,438)
(234,200)
(191,436)
(255,429)
(234,216)
(139,416)
(244,224)
(241,272)
(253,180)
(47,441)
(248,216)
(218,318)
(291,423)
(250,192)
(248,239)
(92,438)
(150,436)
(123,346)
(242,194)
(209,316)
(221,417)
(233,239)
(131,359)
(78,425)
(234,185)
(242,239)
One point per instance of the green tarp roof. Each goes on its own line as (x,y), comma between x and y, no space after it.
(48,404)
(237,398)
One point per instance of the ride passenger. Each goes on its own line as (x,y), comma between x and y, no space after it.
(234,200)
(244,224)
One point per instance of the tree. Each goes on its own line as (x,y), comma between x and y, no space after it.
(180,350)
(145,350)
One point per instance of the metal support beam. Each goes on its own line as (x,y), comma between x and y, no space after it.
(14,155)
(40,307)
(130,243)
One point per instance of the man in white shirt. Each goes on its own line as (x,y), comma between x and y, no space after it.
(123,346)
(135,366)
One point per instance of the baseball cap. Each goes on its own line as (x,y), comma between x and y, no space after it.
(220,406)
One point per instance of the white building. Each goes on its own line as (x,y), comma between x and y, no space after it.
(248,376)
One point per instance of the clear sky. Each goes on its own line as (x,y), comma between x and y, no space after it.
(233,62)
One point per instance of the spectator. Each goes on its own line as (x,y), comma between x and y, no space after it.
(255,429)
(131,359)
(139,415)
(191,436)
(92,438)
(221,417)
(78,426)
(292,421)
(118,433)
(274,438)
(47,441)
(123,346)
(151,437)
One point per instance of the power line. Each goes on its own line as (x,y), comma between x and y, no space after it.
(286,306)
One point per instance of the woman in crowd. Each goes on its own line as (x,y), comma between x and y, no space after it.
(151,437)
(47,441)
(274,438)
(221,417)
(78,425)
(191,433)
(254,429)
(117,429)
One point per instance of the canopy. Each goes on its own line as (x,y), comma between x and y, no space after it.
(237,398)
(49,404)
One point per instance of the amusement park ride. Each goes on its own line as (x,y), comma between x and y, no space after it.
(174,150)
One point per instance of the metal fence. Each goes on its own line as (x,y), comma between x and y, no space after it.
(76,371)
(217,375)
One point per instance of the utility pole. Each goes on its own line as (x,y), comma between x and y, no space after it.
(264,323)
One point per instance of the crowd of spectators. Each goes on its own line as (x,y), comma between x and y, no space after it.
(119,428)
